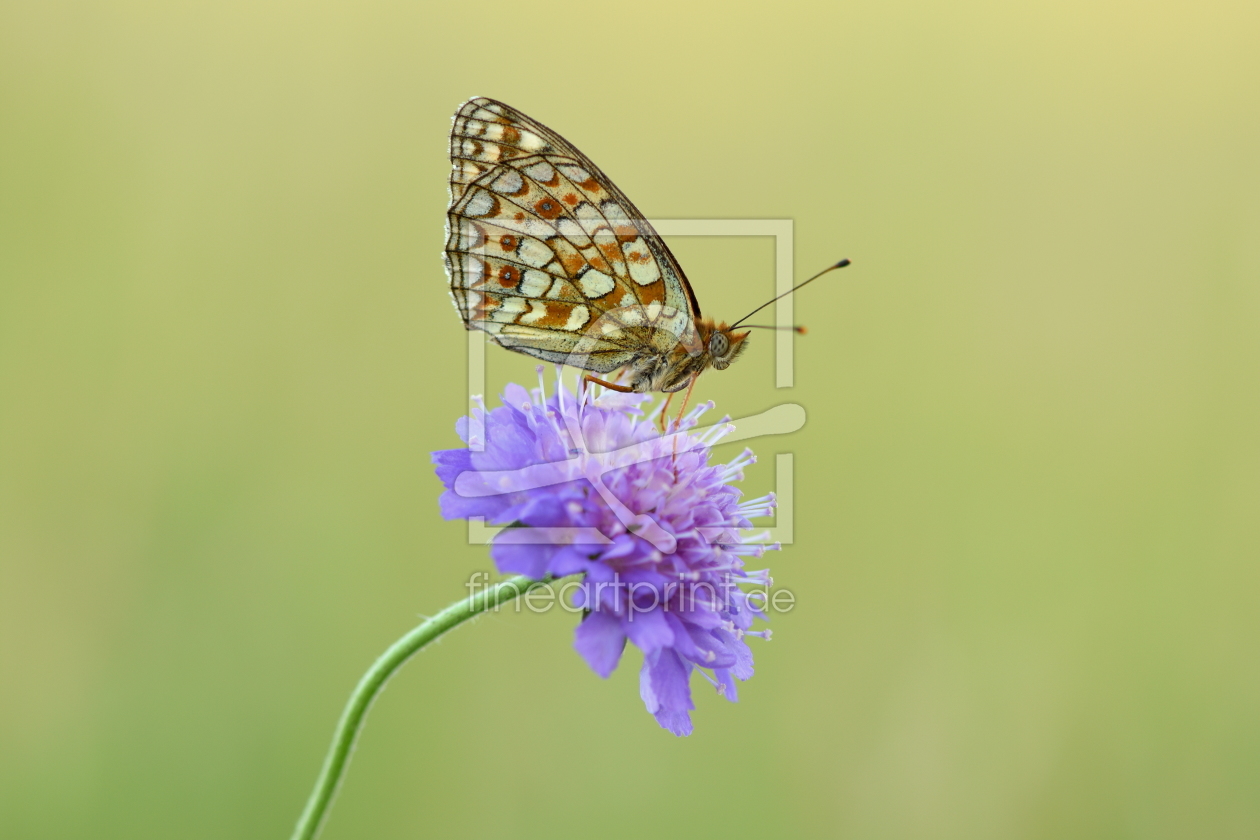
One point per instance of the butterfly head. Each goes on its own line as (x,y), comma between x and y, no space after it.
(725,345)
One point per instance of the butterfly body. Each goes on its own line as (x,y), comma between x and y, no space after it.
(719,346)
(546,255)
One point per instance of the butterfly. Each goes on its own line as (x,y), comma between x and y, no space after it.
(546,255)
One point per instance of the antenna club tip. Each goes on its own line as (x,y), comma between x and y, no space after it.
(844,262)
(800,330)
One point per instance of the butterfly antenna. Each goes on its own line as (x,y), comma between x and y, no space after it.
(840,264)
(796,329)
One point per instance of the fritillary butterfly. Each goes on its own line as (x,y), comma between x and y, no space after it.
(550,258)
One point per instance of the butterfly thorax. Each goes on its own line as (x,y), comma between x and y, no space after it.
(717,345)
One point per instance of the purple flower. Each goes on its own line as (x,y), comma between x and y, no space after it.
(592,487)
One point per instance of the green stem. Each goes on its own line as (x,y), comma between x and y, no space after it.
(374,680)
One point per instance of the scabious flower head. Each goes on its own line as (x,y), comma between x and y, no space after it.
(590,486)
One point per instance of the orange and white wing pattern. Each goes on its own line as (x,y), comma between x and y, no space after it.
(546,255)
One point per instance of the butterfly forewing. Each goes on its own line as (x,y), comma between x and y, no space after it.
(545,254)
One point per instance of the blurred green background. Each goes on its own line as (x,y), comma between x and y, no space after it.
(1026,520)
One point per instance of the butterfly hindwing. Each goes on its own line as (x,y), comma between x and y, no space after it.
(548,256)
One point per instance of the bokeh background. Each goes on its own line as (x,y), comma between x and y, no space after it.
(1026,521)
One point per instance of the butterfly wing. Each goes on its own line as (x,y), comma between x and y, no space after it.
(548,256)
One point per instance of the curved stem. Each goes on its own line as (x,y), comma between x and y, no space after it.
(374,680)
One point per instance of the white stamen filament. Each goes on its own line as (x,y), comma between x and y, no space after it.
(542,386)
(759,502)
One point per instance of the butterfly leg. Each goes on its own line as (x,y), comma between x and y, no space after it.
(662,420)
(681,412)
(625,389)
(687,398)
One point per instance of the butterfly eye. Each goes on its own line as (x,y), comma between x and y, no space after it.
(718,345)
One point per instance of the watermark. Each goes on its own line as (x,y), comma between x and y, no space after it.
(613,240)
(633,598)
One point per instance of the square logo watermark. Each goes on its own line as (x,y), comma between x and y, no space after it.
(781,419)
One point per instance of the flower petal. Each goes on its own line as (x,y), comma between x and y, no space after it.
(648,630)
(726,684)
(526,559)
(568,560)
(665,688)
(600,641)
(514,396)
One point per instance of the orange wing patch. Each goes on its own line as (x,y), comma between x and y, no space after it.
(509,276)
(548,208)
